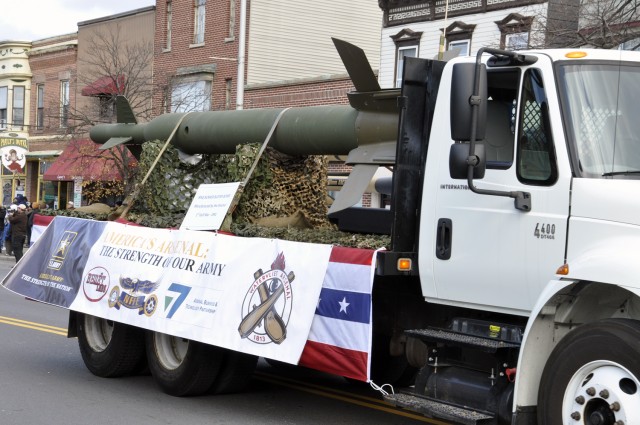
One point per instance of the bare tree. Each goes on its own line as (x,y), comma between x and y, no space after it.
(602,24)
(109,65)
(112,66)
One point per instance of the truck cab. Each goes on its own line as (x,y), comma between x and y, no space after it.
(555,128)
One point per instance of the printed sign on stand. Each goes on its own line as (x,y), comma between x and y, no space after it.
(209,207)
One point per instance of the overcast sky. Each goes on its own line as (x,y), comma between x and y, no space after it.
(36,19)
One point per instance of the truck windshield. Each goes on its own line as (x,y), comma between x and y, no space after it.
(599,102)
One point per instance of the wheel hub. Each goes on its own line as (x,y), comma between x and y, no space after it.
(598,412)
(602,393)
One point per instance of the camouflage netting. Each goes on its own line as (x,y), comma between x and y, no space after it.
(285,198)
(281,186)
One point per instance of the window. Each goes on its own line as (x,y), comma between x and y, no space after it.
(40,107)
(167,44)
(536,154)
(18,107)
(514,30)
(198,27)
(458,36)
(599,105)
(227,93)
(461,45)
(232,20)
(188,96)
(404,52)
(106,108)
(3,107)
(64,103)
(499,139)
(407,42)
(516,41)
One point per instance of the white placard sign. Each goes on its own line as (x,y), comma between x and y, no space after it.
(209,207)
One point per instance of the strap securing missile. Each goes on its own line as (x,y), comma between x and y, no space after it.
(128,203)
(267,139)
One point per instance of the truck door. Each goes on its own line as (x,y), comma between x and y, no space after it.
(484,253)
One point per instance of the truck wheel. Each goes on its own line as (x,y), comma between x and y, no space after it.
(592,376)
(235,373)
(388,369)
(109,349)
(182,367)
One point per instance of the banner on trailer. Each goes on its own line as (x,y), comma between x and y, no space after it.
(253,295)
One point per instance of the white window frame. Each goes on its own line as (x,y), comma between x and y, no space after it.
(169,12)
(18,105)
(465,44)
(4,99)
(64,103)
(199,21)
(401,53)
(39,106)
(191,95)
(516,40)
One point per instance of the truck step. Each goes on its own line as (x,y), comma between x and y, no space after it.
(488,345)
(438,410)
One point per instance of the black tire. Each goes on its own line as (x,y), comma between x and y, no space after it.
(235,373)
(109,349)
(388,369)
(182,367)
(599,356)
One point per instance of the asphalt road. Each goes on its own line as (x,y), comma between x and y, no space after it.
(44,381)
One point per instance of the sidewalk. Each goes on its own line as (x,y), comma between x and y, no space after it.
(5,257)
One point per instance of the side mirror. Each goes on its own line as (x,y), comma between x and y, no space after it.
(458,166)
(462,89)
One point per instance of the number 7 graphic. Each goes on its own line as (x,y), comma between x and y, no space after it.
(183,291)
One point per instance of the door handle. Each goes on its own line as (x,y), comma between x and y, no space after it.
(443,238)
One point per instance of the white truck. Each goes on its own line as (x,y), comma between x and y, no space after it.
(510,292)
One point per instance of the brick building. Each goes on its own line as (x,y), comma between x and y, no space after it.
(75,80)
(15,85)
(290,58)
(53,96)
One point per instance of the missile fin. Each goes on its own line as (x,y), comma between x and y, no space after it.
(115,141)
(124,113)
(357,65)
(352,191)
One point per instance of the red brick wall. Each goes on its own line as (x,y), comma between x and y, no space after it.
(182,55)
(48,68)
(307,93)
(219,50)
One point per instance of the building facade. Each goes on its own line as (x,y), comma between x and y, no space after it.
(53,62)
(414,28)
(290,59)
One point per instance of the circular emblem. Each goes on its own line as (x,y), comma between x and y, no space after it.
(150,305)
(113,296)
(267,305)
(95,284)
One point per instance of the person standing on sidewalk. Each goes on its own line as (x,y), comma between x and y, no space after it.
(18,223)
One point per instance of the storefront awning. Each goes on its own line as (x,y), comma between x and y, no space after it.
(107,85)
(83,159)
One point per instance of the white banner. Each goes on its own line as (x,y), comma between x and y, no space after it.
(255,295)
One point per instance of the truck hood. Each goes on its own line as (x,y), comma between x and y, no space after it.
(603,243)
(616,200)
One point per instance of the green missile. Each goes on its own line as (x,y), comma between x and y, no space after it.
(335,129)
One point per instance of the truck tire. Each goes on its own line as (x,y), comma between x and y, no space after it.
(388,369)
(235,373)
(593,376)
(182,367)
(109,349)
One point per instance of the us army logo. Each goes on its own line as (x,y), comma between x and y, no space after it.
(60,253)
(266,308)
